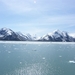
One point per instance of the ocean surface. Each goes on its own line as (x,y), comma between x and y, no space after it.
(37,58)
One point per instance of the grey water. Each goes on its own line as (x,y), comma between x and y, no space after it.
(37,58)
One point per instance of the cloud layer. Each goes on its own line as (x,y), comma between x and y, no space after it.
(40,15)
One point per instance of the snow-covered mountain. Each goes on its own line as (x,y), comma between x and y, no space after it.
(24,37)
(57,36)
(8,34)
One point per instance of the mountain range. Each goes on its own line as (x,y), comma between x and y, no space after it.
(56,36)
(10,35)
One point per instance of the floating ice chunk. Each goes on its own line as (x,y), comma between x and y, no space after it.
(60,56)
(15,48)
(43,58)
(13,45)
(72,61)
(34,50)
(4,46)
(9,51)
(39,45)
(20,62)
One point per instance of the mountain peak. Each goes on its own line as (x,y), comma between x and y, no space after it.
(8,34)
(57,31)
(56,36)
(6,31)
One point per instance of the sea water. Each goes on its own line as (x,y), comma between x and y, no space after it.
(37,58)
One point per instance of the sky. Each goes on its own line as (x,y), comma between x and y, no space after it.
(38,16)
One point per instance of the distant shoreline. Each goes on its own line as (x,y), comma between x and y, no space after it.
(35,42)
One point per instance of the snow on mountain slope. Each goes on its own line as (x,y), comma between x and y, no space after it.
(72,34)
(25,37)
(8,34)
(57,36)
(6,31)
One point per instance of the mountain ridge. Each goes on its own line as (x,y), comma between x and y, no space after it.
(56,36)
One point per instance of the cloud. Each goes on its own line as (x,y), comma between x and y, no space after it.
(35,31)
(72,25)
(19,6)
(72,34)
(38,15)
(55,20)
(22,6)
(47,21)
(34,1)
